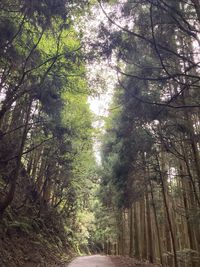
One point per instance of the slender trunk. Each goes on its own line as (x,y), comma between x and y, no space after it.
(190,233)
(156,222)
(163,187)
(150,241)
(136,237)
(143,239)
(131,232)
(15,173)
(187,164)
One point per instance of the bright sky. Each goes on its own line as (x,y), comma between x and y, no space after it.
(102,72)
(100,104)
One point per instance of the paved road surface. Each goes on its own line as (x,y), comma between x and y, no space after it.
(92,261)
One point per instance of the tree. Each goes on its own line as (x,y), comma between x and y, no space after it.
(156,96)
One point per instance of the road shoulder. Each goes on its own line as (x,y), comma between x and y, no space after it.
(119,261)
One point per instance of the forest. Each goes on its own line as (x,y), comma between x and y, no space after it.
(125,182)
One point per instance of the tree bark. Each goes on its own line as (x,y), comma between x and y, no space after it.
(15,173)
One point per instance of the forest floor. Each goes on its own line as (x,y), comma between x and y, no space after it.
(29,242)
(29,251)
(31,236)
(130,262)
(105,261)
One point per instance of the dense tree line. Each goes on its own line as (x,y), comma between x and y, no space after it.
(148,204)
(150,152)
(46,158)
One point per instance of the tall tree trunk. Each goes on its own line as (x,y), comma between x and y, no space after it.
(131,253)
(163,187)
(15,173)
(143,236)
(136,236)
(149,232)
(156,222)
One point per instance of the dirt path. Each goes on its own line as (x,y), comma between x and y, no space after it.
(92,261)
(105,261)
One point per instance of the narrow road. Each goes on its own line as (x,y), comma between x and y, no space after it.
(92,261)
(105,261)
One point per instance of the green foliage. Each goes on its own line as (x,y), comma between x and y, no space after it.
(23,225)
(49,142)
